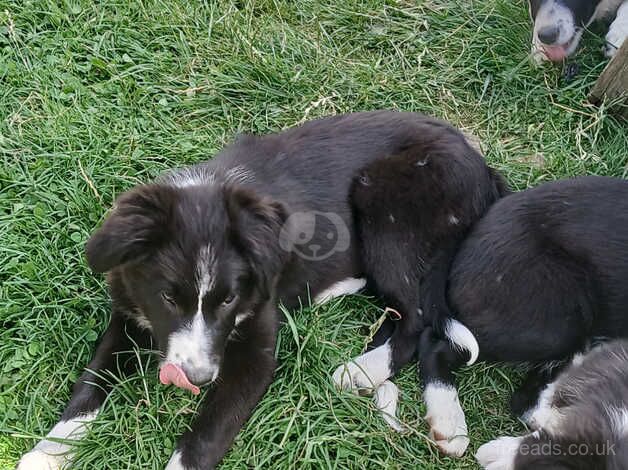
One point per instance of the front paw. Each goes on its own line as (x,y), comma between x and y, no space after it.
(499,454)
(613,43)
(367,371)
(39,460)
(617,33)
(537,55)
(351,377)
(386,398)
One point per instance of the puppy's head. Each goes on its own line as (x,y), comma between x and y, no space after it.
(558,26)
(194,262)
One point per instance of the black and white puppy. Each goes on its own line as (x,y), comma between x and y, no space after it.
(412,211)
(583,421)
(559,24)
(198,261)
(540,276)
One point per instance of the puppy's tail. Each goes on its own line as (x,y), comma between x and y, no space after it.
(461,338)
(438,312)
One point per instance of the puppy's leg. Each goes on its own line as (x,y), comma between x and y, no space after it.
(348,286)
(247,371)
(438,360)
(366,371)
(371,370)
(114,353)
(617,32)
(383,334)
(386,398)
(377,364)
(526,398)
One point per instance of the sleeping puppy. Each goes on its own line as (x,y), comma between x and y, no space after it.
(558,25)
(539,278)
(583,423)
(199,261)
(412,211)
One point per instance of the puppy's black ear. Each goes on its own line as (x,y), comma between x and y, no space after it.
(138,224)
(255,227)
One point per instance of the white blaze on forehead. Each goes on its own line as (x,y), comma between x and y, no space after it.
(191,345)
(205,269)
(553,13)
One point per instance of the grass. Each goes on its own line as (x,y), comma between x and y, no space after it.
(97,98)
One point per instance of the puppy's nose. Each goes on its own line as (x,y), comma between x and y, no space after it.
(549,34)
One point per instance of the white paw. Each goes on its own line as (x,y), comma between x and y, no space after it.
(367,371)
(617,32)
(614,42)
(499,454)
(175,462)
(449,436)
(538,418)
(543,415)
(39,460)
(352,376)
(386,398)
(448,428)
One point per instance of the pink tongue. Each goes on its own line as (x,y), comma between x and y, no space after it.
(173,374)
(555,53)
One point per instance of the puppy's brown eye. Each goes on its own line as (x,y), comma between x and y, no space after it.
(229,299)
(168,298)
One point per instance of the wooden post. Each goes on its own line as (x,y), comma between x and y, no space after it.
(613,83)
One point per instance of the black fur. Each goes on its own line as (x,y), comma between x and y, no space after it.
(582,9)
(544,272)
(541,276)
(274,218)
(412,211)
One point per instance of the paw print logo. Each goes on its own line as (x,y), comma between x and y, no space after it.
(314,235)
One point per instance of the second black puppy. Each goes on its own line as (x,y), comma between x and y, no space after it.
(540,278)
(412,211)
